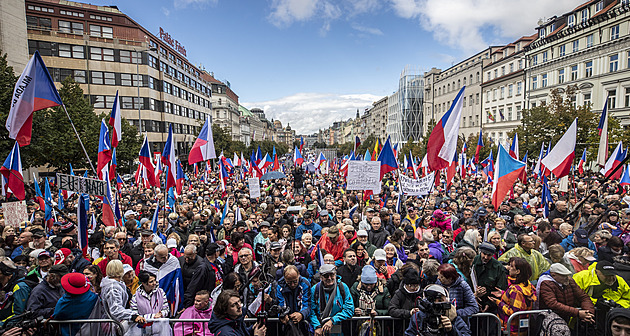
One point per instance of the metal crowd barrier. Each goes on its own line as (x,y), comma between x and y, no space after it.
(117,325)
(522,323)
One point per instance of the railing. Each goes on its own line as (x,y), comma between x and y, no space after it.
(118,327)
(480,324)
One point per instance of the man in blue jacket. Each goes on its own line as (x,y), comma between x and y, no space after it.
(579,238)
(331,303)
(294,293)
(308,226)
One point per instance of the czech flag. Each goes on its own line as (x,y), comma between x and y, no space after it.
(514,147)
(479,146)
(545,196)
(119,182)
(265,162)
(357,142)
(223,176)
(114,121)
(488,167)
(114,164)
(104,150)
(48,217)
(387,158)
(12,172)
(203,149)
(297,157)
(625,178)
(145,160)
(180,178)
(156,216)
(561,157)
(613,161)
(108,217)
(38,194)
(301,143)
(320,159)
(508,169)
(168,159)
(451,170)
(582,162)
(442,143)
(33,91)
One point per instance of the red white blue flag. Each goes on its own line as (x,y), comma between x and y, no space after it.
(442,143)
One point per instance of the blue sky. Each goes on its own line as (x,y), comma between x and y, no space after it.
(311,62)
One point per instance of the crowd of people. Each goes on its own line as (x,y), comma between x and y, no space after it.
(316,255)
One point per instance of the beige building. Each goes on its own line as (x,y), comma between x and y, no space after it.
(503,90)
(225,105)
(13,38)
(441,87)
(588,47)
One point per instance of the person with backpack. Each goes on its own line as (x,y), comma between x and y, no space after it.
(331,303)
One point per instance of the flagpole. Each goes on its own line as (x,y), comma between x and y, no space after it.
(78,137)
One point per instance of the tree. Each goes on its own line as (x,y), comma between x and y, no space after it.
(547,123)
(7,83)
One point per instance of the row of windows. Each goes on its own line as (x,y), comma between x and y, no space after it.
(162,127)
(143,103)
(573,46)
(446,105)
(36,22)
(174,58)
(505,69)
(498,115)
(500,92)
(447,88)
(573,72)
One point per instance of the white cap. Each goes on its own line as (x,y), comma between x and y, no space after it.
(560,269)
(127,269)
(379,254)
(171,243)
(362,233)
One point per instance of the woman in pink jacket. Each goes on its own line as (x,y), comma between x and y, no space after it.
(440,220)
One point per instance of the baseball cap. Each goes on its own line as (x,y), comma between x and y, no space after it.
(333,232)
(323,213)
(127,269)
(275,246)
(362,233)
(37,233)
(606,267)
(171,243)
(43,254)
(379,254)
(482,212)
(348,228)
(560,269)
(581,236)
(61,255)
(264,223)
(130,213)
(370,210)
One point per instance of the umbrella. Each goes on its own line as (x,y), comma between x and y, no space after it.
(272,175)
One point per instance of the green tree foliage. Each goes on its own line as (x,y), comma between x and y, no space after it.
(54,143)
(7,83)
(547,123)
(488,146)
(223,142)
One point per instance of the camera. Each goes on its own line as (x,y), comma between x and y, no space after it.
(433,309)
(279,311)
(25,321)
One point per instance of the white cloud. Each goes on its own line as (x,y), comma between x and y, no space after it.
(308,112)
(463,23)
(199,3)
(166,11)
(285,12)
(367,30)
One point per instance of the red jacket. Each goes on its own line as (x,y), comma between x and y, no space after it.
(122,257)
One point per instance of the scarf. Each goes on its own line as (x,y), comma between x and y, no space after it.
(367,300)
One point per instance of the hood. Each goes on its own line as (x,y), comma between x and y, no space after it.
(107,282)
(621,263)
(614,313)
(438,214)
(217,323)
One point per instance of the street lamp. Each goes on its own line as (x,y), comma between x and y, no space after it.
(138,82)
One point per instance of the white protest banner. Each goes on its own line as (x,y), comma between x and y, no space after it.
(14,213)
(254,187)
(364,175)
(417,187)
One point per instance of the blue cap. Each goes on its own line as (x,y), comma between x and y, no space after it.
(368,275)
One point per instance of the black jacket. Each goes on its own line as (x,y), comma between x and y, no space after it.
(203,278)
(378,237)
(189,269)
(136,253)
(402,303)
(349,275)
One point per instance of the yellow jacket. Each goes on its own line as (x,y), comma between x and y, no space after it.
(587,279)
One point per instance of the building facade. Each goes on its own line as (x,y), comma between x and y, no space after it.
(405,107)
(225,105)
(106,52)
(588,47)
(503,97)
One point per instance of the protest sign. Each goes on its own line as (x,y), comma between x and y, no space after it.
(14,213)
(417,187)
(82,185)
(364,175)
(254,187)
